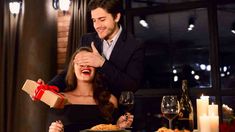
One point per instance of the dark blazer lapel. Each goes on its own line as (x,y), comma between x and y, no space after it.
(116,53)
(98,43)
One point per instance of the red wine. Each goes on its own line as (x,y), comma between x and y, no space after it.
(170,116)
(126,107)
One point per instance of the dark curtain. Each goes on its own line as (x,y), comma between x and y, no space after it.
(28,45)
(36,59)
(28,51)
(9,44)
(78,26)
(1,28)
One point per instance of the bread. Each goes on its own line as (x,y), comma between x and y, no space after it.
(106,127)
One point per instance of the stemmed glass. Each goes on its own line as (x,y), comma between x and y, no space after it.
(170,108)
(126,102)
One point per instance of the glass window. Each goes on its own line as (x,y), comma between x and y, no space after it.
(226,22)
(147,3)
(173,50)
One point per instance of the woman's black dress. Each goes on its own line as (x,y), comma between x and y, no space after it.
(78,117)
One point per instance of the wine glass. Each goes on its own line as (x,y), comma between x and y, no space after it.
(126,101)
(170,108)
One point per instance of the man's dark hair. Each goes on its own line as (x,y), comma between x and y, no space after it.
(111,6)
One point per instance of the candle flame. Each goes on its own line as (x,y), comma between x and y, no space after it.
(204,97)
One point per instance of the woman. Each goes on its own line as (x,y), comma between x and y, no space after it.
(90,104)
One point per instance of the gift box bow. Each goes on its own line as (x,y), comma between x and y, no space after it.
(39,91)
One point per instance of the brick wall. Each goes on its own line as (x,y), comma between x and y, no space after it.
(63,21)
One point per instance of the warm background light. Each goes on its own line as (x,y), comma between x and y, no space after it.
(64,5)
(14,7)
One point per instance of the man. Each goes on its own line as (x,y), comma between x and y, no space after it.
(116,54)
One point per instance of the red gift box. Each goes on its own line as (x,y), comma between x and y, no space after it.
(45,93)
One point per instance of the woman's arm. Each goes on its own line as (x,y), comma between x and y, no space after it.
(114,101)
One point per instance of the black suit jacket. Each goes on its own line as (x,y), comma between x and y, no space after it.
(124,69)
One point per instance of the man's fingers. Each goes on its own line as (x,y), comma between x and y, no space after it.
(94,48)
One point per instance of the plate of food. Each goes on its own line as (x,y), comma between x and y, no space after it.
(164,129)
(105,128)
(89,130)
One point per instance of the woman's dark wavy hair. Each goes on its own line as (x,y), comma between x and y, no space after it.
(100,93)
(111,6)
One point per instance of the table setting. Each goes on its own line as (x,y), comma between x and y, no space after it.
(207,114)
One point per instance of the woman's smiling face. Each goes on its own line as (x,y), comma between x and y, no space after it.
(84,73)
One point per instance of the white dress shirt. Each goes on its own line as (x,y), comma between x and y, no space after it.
(108,46)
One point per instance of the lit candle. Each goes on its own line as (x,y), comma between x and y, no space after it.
(204,123)
(213,109)
(202,108)
(214,123)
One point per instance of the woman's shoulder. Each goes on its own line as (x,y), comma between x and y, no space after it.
(114,100)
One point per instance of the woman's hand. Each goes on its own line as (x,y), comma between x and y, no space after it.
(56,126)
(40,81)
(125,120)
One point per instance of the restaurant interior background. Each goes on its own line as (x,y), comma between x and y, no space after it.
(205,53)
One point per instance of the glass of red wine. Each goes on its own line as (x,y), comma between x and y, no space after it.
(170,108)
(126,101)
